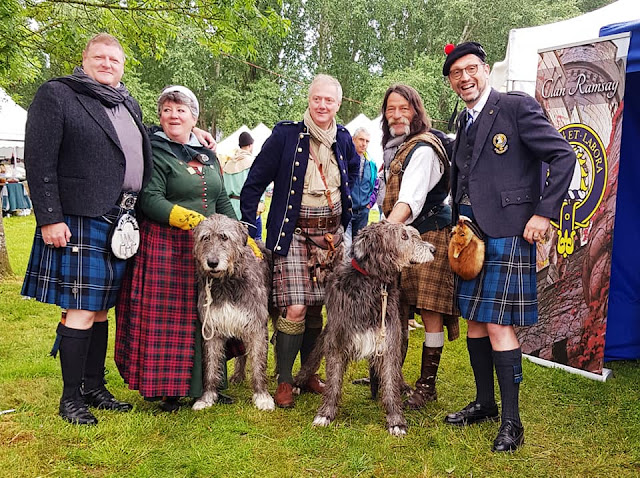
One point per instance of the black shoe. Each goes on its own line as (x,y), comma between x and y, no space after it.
(74,410)
(170,404)
(510,437)
(472,413)
(225,399)
(102,399)
(362,381)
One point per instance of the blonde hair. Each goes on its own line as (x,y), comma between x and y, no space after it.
(323,78)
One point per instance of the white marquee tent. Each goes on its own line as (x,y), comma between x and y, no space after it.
(519,69)
(229,145)
(12,123)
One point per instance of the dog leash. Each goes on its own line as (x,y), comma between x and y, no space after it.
(207,316)
(383,322)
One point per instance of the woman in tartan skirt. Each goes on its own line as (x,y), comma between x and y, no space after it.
(158,340)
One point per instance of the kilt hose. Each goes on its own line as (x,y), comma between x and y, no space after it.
(431,286)
(157,314)
(85,274)
(292,282)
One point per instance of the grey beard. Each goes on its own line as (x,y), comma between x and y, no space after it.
(407,129)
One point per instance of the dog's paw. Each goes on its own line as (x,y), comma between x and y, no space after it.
(398,430)
(207,400)
(296,390)
(263,401)
(319,421)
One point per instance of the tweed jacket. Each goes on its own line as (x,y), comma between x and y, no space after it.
(513,138)
(75,164)
(283,159)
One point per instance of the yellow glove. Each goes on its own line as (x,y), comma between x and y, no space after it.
(254,247)
(184,218)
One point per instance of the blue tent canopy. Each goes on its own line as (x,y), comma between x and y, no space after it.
(623,322)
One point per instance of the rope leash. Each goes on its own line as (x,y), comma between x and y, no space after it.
(383,322)
(207,319)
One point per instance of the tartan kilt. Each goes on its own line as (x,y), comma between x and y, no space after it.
(157,314)
(431,286)
(85,274)
(292,282)
(504,292)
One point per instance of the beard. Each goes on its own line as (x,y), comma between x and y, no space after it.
(405,132)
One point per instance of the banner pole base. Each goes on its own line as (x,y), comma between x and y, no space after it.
(606,373)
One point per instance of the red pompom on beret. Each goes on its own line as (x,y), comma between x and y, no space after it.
(448,48)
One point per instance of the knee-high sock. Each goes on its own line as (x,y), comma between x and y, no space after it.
(509,371)
(94,369)
(288,343)
(73,356)
(480,355)
(312,329)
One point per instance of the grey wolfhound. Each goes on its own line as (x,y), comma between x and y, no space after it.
(233,300)
(363,317)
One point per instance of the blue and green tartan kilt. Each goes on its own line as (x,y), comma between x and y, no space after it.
(83,275)
(504,292)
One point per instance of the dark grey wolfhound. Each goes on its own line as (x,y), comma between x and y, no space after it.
(233,300)
(363,317)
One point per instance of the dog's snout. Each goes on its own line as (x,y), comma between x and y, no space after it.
(212,263)
(432,248)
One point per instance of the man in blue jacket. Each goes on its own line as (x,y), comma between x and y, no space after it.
(364,190)
(502,141)
(312,164)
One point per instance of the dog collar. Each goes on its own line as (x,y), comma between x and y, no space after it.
(357,267)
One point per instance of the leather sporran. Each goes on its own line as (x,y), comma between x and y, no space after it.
(325,251)
(466,249)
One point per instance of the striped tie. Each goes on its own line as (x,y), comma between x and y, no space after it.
(469,121)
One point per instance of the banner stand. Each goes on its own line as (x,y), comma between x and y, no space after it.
(606,372)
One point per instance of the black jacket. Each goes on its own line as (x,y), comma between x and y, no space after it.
(74,161)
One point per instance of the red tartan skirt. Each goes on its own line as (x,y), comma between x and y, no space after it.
(156,313)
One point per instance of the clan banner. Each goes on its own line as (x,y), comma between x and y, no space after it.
(581,89)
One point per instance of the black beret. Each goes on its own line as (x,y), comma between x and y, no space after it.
(461,50)
(245,139)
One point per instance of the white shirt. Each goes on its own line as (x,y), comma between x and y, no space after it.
(477,109)
(421,176)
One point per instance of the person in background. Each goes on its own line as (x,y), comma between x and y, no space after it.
(312,164)
(502,141)
(158,334)
(364,189)
(236,171)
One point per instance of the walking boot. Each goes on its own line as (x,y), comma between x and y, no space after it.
(426,385)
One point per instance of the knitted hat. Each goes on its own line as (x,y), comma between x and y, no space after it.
(245,139)
(185,91)
(467,48)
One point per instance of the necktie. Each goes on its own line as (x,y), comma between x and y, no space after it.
(469,121)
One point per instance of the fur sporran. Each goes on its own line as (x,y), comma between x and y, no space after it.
(324,252)
(466,249)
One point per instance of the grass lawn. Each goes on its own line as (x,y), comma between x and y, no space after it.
(574,426)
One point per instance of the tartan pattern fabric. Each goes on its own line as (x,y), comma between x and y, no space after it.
(505,290)
(292,283)
(431,286)
(157,314)
(83,275)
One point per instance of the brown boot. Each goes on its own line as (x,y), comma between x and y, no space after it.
(426,385)
(284,395)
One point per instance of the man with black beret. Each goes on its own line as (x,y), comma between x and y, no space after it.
(502,141)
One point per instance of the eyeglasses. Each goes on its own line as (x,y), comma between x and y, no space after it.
(471,71)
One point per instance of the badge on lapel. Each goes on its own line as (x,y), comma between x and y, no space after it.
(500,143)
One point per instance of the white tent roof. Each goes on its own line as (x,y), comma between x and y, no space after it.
(374,127)
(12,123)
(519,69)
(227,147)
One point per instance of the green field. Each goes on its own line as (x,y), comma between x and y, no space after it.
(574,427)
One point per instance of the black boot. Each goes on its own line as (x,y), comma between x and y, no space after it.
(73,352)
(426,385)
(95,393)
